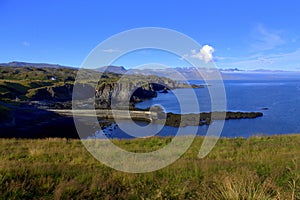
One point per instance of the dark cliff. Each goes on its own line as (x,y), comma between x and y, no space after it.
(132,89)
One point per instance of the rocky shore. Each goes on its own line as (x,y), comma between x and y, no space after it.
(205,118)
(22,120)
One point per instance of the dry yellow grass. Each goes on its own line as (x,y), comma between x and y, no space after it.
(254,168)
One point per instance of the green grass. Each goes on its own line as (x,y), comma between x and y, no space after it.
(33,73)
(254,168)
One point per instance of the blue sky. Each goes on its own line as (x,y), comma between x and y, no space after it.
(243,34)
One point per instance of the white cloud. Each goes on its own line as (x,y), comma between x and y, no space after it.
(265,39)
(205,53)
(25,43)
(110,50)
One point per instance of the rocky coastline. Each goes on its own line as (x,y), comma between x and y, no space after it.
(30,121)
(206,118)
(28,95)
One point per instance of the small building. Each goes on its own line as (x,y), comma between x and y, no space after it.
(53,78)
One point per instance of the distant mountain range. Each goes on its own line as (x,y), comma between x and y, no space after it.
(178,73)
(192,73)
(113,69)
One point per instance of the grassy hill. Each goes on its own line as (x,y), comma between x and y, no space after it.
(33,83)
(24,82)
(254,168)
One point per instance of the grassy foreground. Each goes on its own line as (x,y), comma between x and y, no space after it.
(254,168)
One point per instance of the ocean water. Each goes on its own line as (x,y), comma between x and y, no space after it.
(278,100)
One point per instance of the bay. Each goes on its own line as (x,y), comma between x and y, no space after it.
(278,100)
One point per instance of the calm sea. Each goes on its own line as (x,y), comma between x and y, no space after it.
(278,100)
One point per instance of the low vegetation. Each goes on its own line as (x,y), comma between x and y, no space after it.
(254,168)
(33,83)
(21,83)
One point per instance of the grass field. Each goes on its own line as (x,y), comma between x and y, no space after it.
(254,168)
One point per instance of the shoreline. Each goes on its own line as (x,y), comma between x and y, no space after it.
(26,121)
(160,117)
(168,137)
(266,136)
